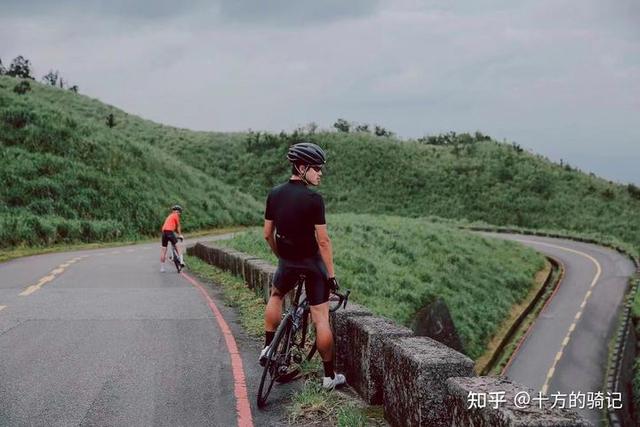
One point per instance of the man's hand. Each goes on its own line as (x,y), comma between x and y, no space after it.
(332,282)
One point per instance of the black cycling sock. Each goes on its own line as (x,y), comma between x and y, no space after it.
(328,369)
(268,337)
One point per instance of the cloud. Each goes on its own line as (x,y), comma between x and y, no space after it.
(298,13)
(560,77)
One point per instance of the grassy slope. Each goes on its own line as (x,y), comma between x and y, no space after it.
(397,265)
(485,181)
(67,176)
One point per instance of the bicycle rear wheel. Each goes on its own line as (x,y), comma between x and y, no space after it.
(276,360)
(302,349)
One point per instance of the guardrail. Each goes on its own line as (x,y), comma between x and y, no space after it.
(417,380)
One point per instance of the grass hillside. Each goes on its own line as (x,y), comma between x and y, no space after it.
(485,181)
(395,266)
(67,176)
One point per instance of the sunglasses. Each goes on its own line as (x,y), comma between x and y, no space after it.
(316,168)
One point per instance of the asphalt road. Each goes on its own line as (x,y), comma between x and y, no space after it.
(567,346)
(101,337)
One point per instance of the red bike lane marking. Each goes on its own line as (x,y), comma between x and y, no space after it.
(243,408)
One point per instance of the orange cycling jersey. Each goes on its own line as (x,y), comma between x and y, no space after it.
(172,222)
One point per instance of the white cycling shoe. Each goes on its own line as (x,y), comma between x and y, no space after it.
(263,356)
(329,383)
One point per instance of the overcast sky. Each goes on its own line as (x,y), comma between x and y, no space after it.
(560,77)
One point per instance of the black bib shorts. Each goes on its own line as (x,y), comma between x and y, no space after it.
(313,268)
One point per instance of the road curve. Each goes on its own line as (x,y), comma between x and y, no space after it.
(567,346)
(101,337)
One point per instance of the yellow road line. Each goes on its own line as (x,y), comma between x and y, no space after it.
(566,339)
(52,275)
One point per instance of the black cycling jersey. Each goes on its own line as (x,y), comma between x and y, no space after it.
(295,211)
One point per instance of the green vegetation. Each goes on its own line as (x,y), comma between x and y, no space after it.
(463,178)
(395,266)
(68,177)
(635,313)
(236,294)
(313,405)
(76,169)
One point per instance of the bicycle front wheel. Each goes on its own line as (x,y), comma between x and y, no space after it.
(176,258)
(276,360)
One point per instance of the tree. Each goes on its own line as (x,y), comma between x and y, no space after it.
(633,191)
(20,67)
(380,131)
(111,121)
(364,127)
(51,78)
(2,69)
(342,125)
(22,87)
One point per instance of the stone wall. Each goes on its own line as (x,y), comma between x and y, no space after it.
(419,381)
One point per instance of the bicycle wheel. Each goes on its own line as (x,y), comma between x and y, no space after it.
(176,258)
(302,349)
(276,360)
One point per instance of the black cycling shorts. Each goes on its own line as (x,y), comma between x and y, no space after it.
(169,236)
(315,272)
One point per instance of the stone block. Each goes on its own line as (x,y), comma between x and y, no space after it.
(265,280)
(252,270)
(434,321)
(359,352)
(415,373)
(243,259)
(504,413)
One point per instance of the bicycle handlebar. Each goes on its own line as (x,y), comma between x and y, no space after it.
(343,299)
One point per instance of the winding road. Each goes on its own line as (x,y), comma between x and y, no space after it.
(102,337)
(566,348)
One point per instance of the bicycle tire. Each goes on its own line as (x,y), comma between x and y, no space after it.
(299,341)
(271,366)
(176,258)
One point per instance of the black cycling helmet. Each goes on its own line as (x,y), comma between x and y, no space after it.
(177,208)
(306,153)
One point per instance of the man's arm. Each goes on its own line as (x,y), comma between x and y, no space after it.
(326,252)
(178,227)
(269,229)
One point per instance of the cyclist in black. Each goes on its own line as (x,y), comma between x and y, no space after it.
(296,231)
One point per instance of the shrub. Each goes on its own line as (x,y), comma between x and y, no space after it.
(22,87)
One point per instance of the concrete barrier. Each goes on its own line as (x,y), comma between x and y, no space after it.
(359,352)
(415,373)
(491,402)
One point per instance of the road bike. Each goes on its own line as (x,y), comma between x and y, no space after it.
(173,254)
(292,343)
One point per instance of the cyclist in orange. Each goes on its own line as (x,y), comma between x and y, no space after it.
(169,228)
